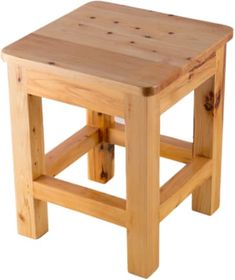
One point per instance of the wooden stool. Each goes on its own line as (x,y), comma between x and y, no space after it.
(118,61)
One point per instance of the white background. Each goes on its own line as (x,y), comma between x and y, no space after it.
(192,246)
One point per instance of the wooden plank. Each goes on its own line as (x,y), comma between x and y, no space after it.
(84,200)
(116,134)
(170,148)
(71,149)
(183,184)
(187,83)
(78,90)
(113,42)
(208,129)
(101,157)
(175,149)
(142,171)
(28,150)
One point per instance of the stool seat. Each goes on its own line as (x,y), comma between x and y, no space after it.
(127,45)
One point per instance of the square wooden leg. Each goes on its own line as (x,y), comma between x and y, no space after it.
(28,148)
(101,158)
(208,125)
(142,171)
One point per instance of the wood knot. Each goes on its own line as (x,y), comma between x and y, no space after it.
(209,102)
(103,174)
(212,101)
(21,217)
(111,148)
(218,99)
(51,63)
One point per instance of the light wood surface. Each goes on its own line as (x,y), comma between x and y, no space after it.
(94,203)
(114,42)
(183,183)
(116,60)
(142,178)
(71,149)
(28,149)
(170,147)
(208,130)
(78,90)
(187,83)
(101,157)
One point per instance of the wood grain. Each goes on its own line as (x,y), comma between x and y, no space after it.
(142,171)
(170,148)
(71,149)
(113,42)
(87,201)
(208,130)
(101,157)
(183,183)
(28,149)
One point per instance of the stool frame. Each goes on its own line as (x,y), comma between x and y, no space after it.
(143,210)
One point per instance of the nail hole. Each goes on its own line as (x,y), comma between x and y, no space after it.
(110,33)
(132,42)
(188,58)
(137,28)
(116,22)
(171,33)
(148,36)
(154,51)
(80,24)
(92,17)
(170,15)
(51,63)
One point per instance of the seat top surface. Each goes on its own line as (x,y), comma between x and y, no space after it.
(122,44)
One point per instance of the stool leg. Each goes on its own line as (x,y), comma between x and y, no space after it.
(142,171)
(208,125)
(101,158)
(28,149)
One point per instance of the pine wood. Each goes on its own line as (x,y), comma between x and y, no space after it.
(94,203)
(183,183)
(80,90)
(170,147)
(71,149)
(142,171)
(28,149)
(115,60)
(187,83)
(209,100)
(112,42)
(101,157)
